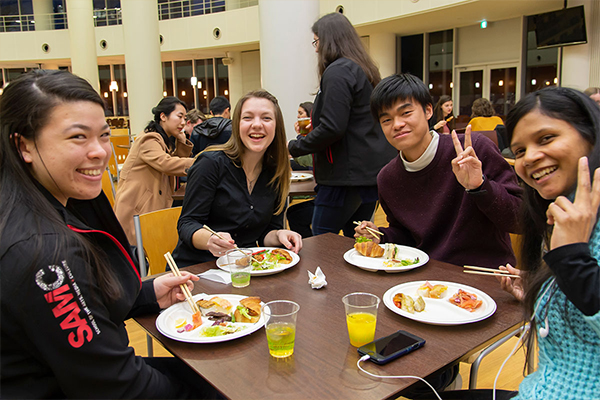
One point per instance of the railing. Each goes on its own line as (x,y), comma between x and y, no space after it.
(29,22)
(107,17)
(172,9)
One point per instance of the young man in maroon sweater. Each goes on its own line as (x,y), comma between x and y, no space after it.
(452,196)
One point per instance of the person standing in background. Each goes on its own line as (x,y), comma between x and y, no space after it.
(147,179)
(215,130)
(443,120)
(348,144)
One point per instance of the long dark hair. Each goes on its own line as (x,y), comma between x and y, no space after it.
(25,107)
(275,157)
(337,39)
(438,113)
(166,106)
(581,113)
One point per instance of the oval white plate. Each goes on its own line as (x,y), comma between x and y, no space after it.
(441,311)
(165,323)
(301,176)
(376,263)
(222,261)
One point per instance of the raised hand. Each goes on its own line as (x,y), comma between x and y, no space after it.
(574,222)
(466,166)
(361,230)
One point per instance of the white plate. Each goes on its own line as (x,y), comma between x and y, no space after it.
(301,176)
(376,263)
(441,311)
(222,261)
(165,323)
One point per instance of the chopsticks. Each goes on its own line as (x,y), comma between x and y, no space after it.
(222,238)
(183,286)
(488,271)
(372,231)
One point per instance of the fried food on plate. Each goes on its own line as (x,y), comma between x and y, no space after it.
(249,310)
(369,249)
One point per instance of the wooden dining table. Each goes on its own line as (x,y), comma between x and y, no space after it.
(323,365)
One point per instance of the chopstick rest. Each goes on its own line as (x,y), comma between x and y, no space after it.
(317,280)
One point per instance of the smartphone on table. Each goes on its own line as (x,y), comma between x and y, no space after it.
(390,347)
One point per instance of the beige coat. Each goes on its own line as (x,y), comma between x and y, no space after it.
(147,179)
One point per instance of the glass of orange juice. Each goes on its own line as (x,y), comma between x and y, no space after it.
(361,317)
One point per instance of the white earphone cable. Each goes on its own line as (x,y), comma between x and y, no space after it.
(366,357)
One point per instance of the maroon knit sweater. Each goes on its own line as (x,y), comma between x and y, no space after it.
(430,210)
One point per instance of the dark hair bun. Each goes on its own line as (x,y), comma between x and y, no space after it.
(153,110)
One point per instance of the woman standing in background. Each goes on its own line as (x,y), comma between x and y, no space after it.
(348,144)
(147,180)
(443,120)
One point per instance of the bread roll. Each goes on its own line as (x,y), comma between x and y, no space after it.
(369,249)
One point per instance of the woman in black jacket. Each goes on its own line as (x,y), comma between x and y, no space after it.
(348,144)
(68,278)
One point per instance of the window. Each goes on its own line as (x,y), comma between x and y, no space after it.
(411,49)
(440,64)
(104,76)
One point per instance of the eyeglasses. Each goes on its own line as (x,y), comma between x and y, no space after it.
(315,43)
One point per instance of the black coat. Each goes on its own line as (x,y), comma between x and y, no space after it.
(215,130)
(350,148)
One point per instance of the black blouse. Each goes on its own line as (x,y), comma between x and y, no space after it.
(217,195)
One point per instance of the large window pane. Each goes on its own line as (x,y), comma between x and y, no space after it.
(206,87)
(471,88)
(122,104)
(503,89)
(542,65)
(222,78)
(440,64)
(104,75)
(183,74)
(167,79)
(411,50)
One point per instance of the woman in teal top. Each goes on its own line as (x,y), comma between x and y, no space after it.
(554,134)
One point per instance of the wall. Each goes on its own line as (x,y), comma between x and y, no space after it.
(250,71)
(500,41)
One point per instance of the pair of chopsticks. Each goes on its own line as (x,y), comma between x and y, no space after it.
(488,271)
(372,231)
(222,238)
(183,286)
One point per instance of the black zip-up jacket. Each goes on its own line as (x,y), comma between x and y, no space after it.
(215,130)
(349,146)
(58,337)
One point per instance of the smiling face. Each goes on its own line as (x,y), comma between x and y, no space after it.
(447,108)
(257,125)
(406,128)
(547,151)
(174,122)
(71,151)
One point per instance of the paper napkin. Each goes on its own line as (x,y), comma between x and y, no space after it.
(216,275)
(317,280)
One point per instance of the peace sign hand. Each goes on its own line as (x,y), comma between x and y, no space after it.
(574,222)
(466,166)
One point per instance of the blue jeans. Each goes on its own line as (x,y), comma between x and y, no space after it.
(333,219)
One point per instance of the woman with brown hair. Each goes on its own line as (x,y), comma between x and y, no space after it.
(482,116)
(348,144)
(239,188)
(443,120)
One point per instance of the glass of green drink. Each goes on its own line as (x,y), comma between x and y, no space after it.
(281,327)
(239,262)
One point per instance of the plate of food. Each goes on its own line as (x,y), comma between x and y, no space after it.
(224,317)
(388,257)
(301,176)
(439,302)
(267,260)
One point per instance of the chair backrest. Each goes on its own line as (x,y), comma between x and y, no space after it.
(156,234)
(108,186)
(121,147)
(112,163)
(492,135)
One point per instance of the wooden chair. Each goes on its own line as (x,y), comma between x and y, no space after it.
(156,234)
(113,166)
(108,186)
(492,135)
(121,147)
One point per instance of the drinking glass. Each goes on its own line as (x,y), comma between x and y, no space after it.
(361,317)
(281,327)
(239,262)
(302,124)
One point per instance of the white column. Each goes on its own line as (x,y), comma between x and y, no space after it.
(83,41)
(142,60)
(235,71)
(41,14)
(580,62)
(288,61)
(383,50)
